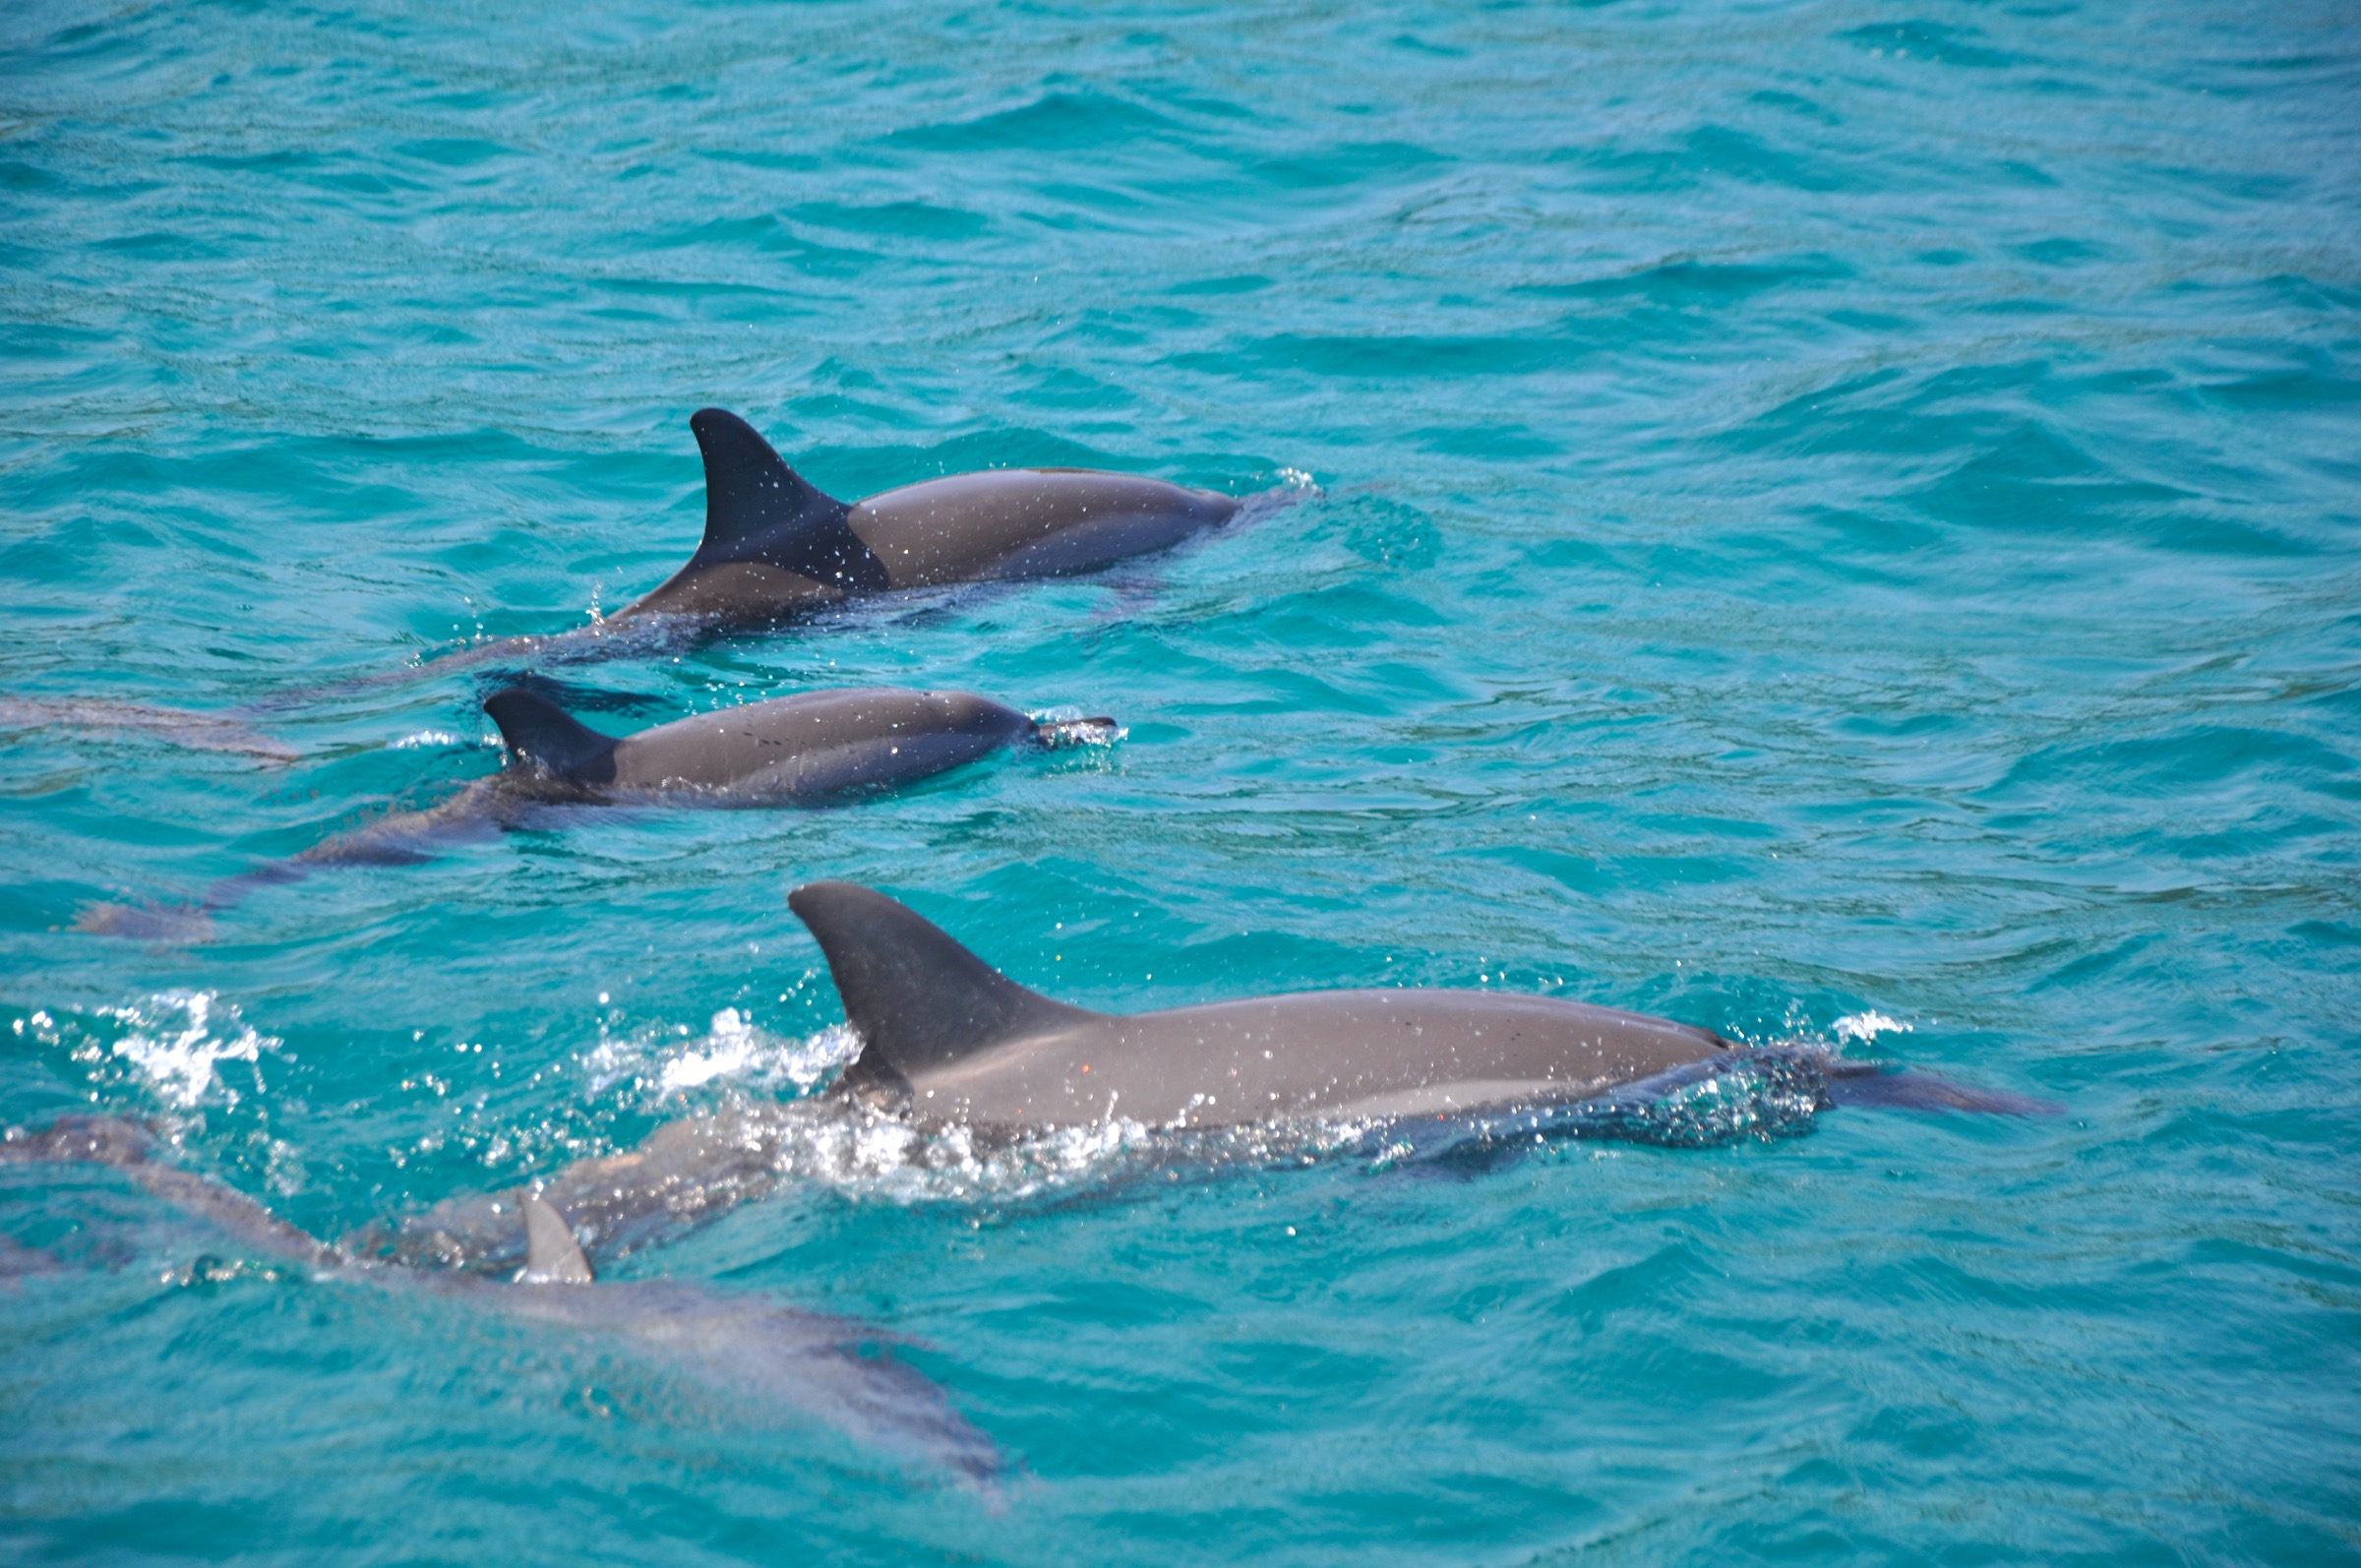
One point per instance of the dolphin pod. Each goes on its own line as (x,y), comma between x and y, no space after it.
(828,1367)
(945,1042)
(808,749)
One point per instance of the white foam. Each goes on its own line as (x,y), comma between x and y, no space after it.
(1861,1027)
(734,1052)
(1099,735)
(175,1041)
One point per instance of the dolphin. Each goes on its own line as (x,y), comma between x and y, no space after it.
(685,1173)
(829,1367)
(808,749)
(948,1040)
(804,750)
(777,549)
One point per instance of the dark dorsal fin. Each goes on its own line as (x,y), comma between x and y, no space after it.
(918,999)
(551,1255)
(548,738)
(758,508)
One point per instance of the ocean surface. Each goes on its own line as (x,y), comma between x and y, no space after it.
(1838,523)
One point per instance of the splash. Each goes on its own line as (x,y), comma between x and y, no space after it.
(1862,1027)
(1061,728)
(665,1062)
(177,1039)
(864,1154)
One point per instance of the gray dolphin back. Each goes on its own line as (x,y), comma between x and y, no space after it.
(918,999)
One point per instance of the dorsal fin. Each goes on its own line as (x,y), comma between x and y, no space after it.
(918,999)
(551,1255)
(550,740)
(758,508)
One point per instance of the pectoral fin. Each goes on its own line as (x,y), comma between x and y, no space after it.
(552,1256)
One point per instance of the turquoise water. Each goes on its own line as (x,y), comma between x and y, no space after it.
(1833,522)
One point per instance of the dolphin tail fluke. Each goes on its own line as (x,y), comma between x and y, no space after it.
(547,738)
(552,1254)
(758,508)
(916,998)
(1875,1084)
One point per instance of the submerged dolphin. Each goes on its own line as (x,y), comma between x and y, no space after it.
(204,732)
(827,1366)
(947,1038)
(806,750)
